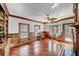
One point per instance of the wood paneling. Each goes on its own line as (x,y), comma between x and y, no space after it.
(31,36)
(14,38)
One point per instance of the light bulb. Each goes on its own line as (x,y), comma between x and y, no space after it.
(54,5)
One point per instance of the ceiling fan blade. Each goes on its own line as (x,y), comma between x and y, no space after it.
(53,19)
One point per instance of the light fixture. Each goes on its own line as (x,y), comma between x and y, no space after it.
(50,19)
(54,5)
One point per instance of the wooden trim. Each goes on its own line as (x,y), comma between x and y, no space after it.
(25,18)
(39,21)
(12,33)
(68,23)
(63,19)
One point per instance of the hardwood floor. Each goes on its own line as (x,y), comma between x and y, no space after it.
(38,48)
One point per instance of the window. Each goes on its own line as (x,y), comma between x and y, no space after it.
(51,30)
(68,32)
(36,29)
(55,29)
(24,30)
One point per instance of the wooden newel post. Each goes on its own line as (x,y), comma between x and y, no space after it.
(76,26)
(77,40)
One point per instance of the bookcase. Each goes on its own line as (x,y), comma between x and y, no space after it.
(3,29)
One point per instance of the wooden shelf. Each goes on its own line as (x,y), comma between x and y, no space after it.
(2,25)
(2,18)
(1,31)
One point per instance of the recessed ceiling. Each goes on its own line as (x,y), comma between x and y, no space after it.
(38,11)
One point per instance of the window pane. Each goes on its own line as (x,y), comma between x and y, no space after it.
(23,27)
(36,29)
(24,35)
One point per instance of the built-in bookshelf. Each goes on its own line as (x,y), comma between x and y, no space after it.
(3,22)
(3,28)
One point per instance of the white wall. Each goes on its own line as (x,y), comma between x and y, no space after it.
(14,25)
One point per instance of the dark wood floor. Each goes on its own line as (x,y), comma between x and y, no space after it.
(38,48)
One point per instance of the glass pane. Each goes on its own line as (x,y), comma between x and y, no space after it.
(24,35)
(51,30)
(68,32)
(23,27)
(36,29)
(56,30)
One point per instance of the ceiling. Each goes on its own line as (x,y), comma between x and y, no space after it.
(38,11)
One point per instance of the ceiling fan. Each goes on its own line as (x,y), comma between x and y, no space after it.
(50,19)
